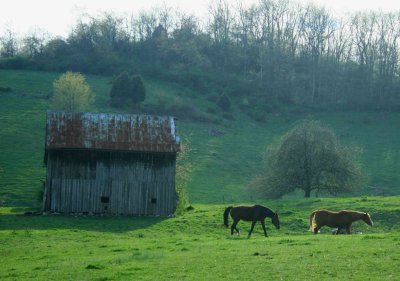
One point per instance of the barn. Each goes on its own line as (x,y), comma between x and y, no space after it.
(118,164)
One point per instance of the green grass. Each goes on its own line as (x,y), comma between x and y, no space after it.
(196,246)
(231,160)
(223,164)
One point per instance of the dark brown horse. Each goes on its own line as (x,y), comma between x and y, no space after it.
(340,220)
(250,213)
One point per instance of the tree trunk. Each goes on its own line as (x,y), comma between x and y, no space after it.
(307,193)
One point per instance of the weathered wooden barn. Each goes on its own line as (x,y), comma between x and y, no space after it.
(110,163)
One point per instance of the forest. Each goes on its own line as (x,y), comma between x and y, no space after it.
(259,57)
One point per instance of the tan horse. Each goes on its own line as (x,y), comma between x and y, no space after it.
(340,220)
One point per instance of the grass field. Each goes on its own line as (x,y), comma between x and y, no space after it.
(227,160)
(196,246)
(225,155)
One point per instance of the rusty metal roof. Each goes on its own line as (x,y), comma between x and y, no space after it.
(98,131)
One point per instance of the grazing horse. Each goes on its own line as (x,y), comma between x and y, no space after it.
(340,220)
(250,213)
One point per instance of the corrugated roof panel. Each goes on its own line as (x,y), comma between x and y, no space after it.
(111,132)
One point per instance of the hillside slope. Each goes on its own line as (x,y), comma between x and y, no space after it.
(226,149)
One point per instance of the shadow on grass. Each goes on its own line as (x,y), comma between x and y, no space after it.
(19,210)
(102,224)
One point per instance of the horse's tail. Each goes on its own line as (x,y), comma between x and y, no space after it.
(226,214)
(311,221)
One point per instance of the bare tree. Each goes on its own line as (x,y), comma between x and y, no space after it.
(34,43)
(9,44)
(243,30)
(365,38)
(221,20)
(387,56)
(318,28)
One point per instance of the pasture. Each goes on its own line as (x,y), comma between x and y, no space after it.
(196,245)
(225,155)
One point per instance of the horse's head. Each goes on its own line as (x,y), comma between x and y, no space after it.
(367,219)
(275,221)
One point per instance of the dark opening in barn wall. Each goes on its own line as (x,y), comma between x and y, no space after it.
(81,180)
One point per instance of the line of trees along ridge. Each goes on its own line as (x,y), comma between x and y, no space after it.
(276,51)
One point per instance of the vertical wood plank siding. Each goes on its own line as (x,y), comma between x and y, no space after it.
(130,183)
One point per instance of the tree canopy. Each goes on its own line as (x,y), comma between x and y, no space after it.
(275,51)
(309,158)
(71,93)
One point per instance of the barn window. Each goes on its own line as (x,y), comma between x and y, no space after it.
(153,200)
(105,199)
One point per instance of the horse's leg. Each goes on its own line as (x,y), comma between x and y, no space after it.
(237,230)
(316,229)
(338,230)
(348,229)
(233,227)
(263,226)
(252,227)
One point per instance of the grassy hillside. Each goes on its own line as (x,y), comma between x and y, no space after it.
(226,148)
(226,152)
(196,246)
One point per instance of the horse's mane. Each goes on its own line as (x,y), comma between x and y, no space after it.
(342,212)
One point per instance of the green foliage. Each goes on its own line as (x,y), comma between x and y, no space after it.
(56,56)
(224,102)
(120,88)
(127,89)
(16,62)
(183,170)
(71,93)
(138,89)
(309,157)
(228,54)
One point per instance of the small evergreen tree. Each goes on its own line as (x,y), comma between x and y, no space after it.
(138,89)
(120,89)
(224,102)
(127,89)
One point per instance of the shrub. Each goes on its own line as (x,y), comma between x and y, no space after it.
(5,89)
(224,102)
(183,170)
(127,89)
(17,62)
(138,89)
(120,89)
(309,158)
